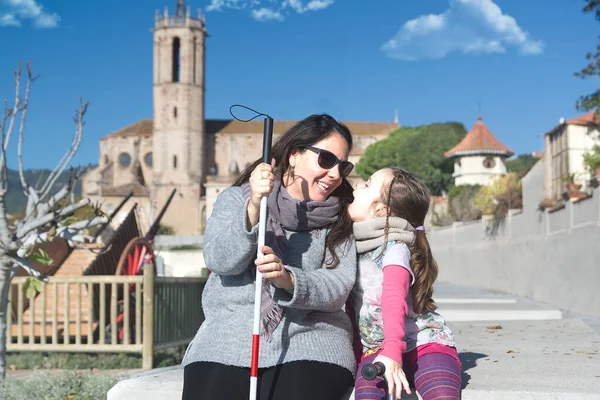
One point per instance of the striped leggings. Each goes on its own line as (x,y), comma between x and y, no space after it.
(434,376)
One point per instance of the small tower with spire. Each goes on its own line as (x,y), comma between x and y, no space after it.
(479,157)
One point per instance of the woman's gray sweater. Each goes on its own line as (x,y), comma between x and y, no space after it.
(314,326)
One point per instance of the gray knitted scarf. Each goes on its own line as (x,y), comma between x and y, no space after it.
(370,233)
(285,212)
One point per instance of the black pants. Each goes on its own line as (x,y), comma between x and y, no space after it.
(298,380)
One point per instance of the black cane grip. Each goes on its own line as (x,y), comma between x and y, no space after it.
(267,139)
(372,371)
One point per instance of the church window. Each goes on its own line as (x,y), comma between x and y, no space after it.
(174,112)
(174,162)
(124,159)
(176,58)
(148,159)
(194,65)
(489,162)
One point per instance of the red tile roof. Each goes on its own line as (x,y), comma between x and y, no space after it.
(479,141)
(137,188)
(582,120)
(145,127)
(585,119)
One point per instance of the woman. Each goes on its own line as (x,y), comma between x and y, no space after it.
(309,268)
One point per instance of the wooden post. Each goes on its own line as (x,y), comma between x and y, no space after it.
(148,317)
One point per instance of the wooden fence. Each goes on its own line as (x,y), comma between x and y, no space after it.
(136,314)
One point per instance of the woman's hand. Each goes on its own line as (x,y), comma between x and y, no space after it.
(261,183)
(271,268)
(394,375)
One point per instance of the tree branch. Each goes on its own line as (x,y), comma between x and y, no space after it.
(79,123)
(46,219)
(26,265)
(30,79)
(15,109)
(4,230)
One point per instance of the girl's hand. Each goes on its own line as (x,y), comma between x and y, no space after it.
(271,268)
(394,375)
(261,183)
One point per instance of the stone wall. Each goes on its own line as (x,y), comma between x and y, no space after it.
(548,256)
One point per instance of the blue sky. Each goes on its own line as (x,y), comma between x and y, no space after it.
(359,60)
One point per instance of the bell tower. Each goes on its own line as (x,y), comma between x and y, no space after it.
(178,107)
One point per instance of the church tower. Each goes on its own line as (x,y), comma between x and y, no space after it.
(178,113)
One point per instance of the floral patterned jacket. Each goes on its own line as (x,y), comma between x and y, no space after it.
(420,329)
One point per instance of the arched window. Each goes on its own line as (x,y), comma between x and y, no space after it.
(194,65)
(176,58)
(174,162)
(148,159)
(489,162)
(174,112)
(124,159)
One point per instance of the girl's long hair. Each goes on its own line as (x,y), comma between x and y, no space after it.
(408,198)
(307,132)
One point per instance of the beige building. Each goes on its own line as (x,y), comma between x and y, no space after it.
(564,146)
(478,157)
(180,149)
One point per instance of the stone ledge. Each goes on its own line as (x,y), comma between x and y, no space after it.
(525,360)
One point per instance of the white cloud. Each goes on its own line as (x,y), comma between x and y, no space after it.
(270,10)
(266,14)
(468,26)
(13,12)
(9,20)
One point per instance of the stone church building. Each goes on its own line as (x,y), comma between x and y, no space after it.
(179,148)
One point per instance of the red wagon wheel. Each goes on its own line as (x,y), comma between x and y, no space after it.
(136,254)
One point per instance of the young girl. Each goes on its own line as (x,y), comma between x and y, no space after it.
(393,294)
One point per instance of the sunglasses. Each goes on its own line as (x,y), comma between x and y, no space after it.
(328,160)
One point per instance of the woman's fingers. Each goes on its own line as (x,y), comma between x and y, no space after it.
(261,181)
(266,250)
(269,262)
(268,256)
(270,267)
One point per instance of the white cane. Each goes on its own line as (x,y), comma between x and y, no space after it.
(262,222)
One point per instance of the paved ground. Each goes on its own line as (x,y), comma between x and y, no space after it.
(510,347)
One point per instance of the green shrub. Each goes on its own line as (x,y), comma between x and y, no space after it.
(31,360)
(60,385)
(72,361)
(461,202)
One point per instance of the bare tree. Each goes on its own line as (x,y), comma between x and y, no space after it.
(49,213)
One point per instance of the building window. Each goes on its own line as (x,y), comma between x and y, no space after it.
(174,112)
(176,58)
(194,60)
(489,162)
(174,162)
(148,159)
(105,159)
(124,159)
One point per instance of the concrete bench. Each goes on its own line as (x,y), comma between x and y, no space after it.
(525,360)
(167,384)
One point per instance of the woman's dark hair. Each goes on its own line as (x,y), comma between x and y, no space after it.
(408,198)
(306,133)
